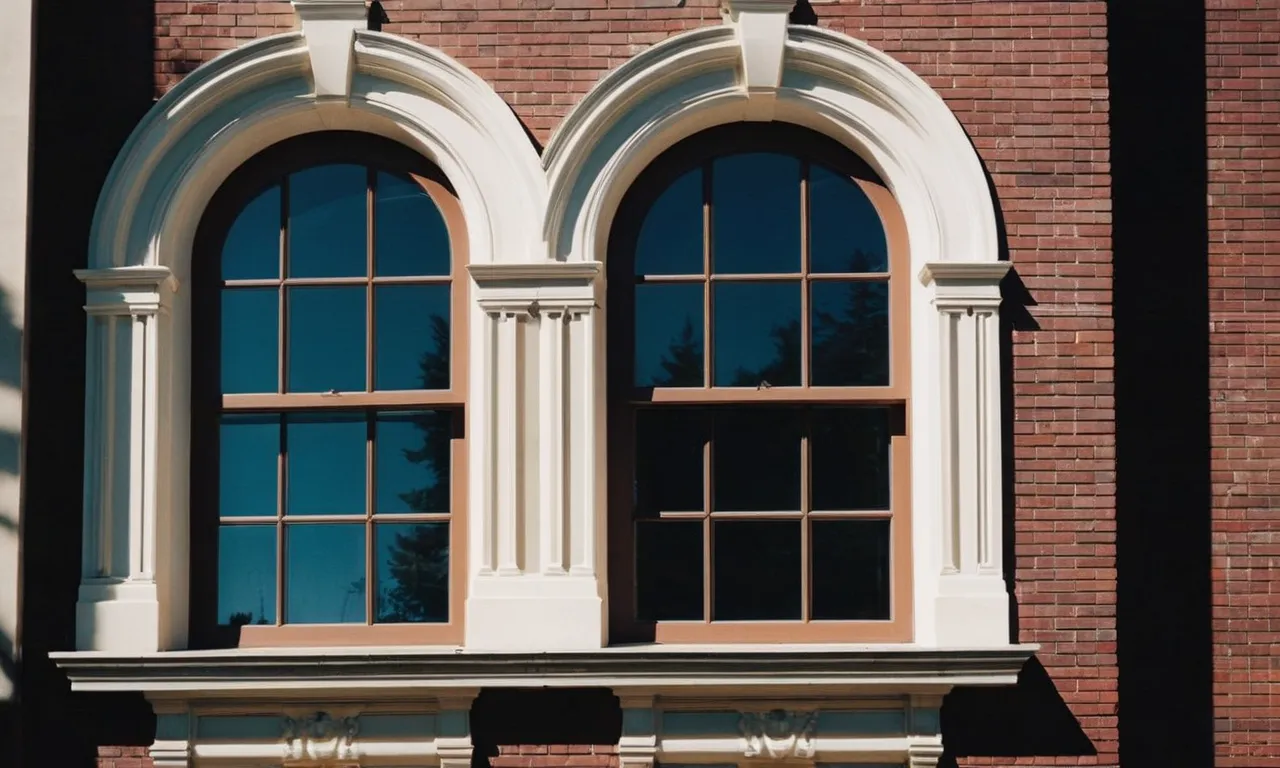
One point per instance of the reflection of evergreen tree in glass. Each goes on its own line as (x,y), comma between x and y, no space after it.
(784,369)
(241,618)
(682,363)
(418,589)
(851,347)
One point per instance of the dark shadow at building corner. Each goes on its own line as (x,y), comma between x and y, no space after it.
(1164,502)
(95,77)
(1029,719)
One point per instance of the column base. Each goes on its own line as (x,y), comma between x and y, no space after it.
(118,617)
(972,612)
(534,613)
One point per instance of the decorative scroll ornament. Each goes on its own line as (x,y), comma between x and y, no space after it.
(320,737)
(778,734)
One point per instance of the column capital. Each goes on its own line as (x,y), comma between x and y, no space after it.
(124,291)
(965,285)
(553,287)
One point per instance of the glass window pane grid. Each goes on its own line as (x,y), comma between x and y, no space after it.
(368,519)
(804,516)
(805,276)
(284,281)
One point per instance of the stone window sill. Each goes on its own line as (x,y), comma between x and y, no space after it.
(647,668)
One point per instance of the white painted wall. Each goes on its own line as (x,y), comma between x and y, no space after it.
(15,142)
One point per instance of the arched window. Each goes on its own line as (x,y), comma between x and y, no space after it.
(758,389)
(328,394)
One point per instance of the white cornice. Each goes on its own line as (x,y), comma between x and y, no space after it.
(530,286)
(819,669)
(965,284)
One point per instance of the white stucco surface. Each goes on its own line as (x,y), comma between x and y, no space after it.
(15,120)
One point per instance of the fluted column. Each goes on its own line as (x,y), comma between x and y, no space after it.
(534,585)
(134,543)
(972,602)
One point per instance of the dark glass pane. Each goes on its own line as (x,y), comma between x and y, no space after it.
(252,248)
(412,466)
(845,231)
(410,237)
(246,574)
(413,572)
(850,569)
(757,570)
(850,334)
(669,448)
(669,335)
(669,570)
(328,230)
(755,206)
(327,339)
(249,449)
(412,342)
(326,456)
(850,454)
(756,334)
(670,240)
(324,580)
(756,460)
(250,340)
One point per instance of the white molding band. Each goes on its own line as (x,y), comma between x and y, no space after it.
(537,234)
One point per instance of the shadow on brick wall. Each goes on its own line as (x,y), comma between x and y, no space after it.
(1030,719)
(1163,493)
(93,82)
(523,728)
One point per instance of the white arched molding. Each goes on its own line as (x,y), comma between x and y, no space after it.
(755,67)
(332,75)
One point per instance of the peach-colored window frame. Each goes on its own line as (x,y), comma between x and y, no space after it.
(270,166)
(624,399)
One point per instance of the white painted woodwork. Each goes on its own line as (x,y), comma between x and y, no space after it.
(537,231)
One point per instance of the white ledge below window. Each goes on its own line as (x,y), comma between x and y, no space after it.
(832,670)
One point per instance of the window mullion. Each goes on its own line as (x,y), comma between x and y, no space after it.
(806,564)
(708,499)
(282,480)
(806,330)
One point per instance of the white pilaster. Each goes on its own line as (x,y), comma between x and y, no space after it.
(924,755)
(972,604)
(129,519)
(172,746)
(453,730)
(546,597)
(638,745)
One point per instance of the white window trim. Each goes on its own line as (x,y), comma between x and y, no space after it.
(537,232)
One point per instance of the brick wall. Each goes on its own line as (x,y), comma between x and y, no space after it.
(1028,81)
(123,757)
(1243,68)
(556,756)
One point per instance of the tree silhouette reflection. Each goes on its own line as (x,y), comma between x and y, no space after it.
(413,572)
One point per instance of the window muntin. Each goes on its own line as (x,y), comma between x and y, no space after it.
(338,410)
(758,396)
